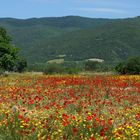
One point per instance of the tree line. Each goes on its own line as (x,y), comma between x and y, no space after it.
(10,60)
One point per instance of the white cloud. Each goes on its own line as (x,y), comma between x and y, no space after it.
(45,1)
(106,10)
(92,1)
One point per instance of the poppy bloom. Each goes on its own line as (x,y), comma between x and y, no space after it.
(75,130)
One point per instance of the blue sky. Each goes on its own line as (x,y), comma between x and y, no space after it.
(56,8)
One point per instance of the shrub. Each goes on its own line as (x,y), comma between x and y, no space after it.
(60,69)
(92,65)
(72,70)
(21,64)
(53,69)
(131,66)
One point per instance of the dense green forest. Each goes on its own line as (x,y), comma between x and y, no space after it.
(76,38)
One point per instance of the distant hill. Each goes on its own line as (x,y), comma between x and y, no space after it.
(78,38)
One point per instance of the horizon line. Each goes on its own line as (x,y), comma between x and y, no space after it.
(18,18)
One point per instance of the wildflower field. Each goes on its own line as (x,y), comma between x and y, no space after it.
(39,107)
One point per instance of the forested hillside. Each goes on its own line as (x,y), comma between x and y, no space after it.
(78,38)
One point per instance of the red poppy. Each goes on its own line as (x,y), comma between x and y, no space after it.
(75,130)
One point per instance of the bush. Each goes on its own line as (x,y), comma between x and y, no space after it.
(21,65)
(91,65)
(60,69)
(72,70)
(131,66)
(97,66)
(53,69)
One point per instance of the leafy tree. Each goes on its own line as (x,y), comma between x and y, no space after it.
(121,68)
(9,59)
(131,66)
(4,38)
(7,62)
(21,64)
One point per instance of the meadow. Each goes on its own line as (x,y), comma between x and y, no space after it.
(69,107)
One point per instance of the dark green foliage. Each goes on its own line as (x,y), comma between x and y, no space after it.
(60,69)
(53,69)
(21,64)
(131,66)
(78,38)
(92,65)
(7,62)
(72,70)
(104,67)
(36,67)
(121,68)
(68,67)
(9,59)
(4,38)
